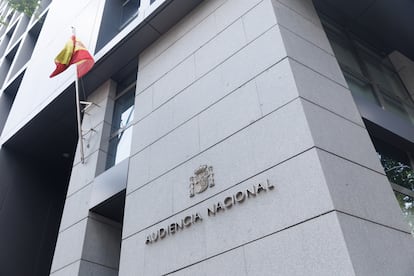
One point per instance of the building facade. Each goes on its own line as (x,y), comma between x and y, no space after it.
(225,137)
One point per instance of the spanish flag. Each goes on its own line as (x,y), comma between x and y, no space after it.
(74,52)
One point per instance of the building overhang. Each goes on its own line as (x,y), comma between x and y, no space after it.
(51,135)
(388,25)
(135,38)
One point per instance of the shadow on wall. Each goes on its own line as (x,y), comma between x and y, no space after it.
(32,196)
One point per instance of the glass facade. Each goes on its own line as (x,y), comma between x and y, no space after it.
(396,163)
(117,15)
(372,78)
(370,74)
(407,206)
(121,131)
(129,10)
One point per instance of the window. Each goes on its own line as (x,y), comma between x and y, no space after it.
(407,206)
(372,78)
(398,167)
(117,14)
(129,11)
(369,73)
(396,163)
(121,130)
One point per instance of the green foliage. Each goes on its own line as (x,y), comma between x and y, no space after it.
(397,172)
(407,207)
(401,174)
(27,7)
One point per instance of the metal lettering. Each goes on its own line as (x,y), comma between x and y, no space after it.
(197,217)
(228,202)
(212,212)
(260,188)
(239,197)
(162,233)
(154,236)
(180,225)
(172,228)
(219,207)
(187,221)
(251,193)
(269,185)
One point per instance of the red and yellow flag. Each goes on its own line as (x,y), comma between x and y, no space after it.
(74,52)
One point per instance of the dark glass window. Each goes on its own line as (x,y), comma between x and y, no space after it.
(396,163)
(399,170)
(372,78)
(117,14)
(406,203)
(129,10)
(369,73)
(121,130)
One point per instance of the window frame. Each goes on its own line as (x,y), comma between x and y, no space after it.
(119,95)
(358,49)
(125,21)
(116,132)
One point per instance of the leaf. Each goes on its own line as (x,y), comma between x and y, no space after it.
(27,7)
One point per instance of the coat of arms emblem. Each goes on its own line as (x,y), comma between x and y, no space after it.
(202,179)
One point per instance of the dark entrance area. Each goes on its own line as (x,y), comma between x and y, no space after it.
(35,168)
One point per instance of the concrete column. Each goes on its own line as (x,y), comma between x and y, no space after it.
(370,220)
(252,88)
(88,244)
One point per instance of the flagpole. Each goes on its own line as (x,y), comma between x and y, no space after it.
(75,53)
(78,110)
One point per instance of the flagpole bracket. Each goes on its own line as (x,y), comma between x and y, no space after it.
(87,105)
